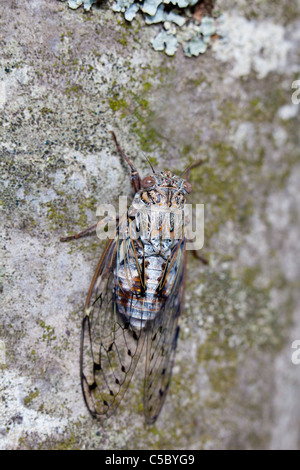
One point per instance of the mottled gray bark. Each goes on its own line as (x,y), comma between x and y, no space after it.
(66,79)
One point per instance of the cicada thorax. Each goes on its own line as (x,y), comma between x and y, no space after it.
(159,218)
(143,274)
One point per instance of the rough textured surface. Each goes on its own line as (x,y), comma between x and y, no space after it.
(66,78)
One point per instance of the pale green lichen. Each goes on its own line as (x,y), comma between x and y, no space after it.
(74,4)
(165,41)
(179,24)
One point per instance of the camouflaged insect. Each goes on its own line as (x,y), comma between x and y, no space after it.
(136,298)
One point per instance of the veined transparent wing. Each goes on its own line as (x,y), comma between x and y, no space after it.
(162,335)
(109,348)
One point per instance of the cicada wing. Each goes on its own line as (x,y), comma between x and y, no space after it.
(162,336)
(109,349)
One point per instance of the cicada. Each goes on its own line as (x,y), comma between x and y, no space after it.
(136,297)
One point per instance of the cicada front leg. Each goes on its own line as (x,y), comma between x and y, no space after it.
(135,177)
(87,230)
(79,234)
(136,183)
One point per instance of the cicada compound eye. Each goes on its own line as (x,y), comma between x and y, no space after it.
(147,182)
(187,186)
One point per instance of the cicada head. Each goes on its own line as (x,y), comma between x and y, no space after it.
(165,188)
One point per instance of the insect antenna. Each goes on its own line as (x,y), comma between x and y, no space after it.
(190,167)
(146,158)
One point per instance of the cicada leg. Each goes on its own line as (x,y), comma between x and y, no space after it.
(200,257)
(187,171)
(87,230)
(135,177)
(79,234)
